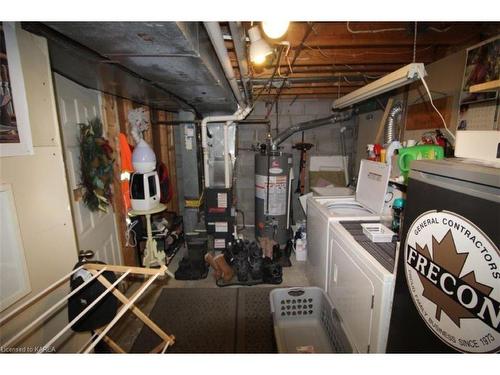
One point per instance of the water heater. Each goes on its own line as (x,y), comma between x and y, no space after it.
(272,195)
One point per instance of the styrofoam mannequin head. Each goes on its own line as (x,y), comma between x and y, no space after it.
(143,157)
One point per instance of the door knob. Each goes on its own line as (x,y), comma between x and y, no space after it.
(85,255)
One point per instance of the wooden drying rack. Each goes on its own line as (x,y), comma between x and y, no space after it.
(100,334)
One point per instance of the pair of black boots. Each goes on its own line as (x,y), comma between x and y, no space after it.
(193,266)
(251,266)
(282,256)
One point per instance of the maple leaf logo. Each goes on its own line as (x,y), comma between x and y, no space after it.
(446,256)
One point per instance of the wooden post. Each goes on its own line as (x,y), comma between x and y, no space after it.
(163,137)
(172,168)
(115,126)
(383,120)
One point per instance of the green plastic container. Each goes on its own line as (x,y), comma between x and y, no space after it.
(406,155)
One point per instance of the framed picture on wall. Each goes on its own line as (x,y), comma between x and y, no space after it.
(14,278)
(482,65)
(15,131)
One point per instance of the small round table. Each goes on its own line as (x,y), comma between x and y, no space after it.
(151,254)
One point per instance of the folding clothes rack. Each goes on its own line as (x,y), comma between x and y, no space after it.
(100,334)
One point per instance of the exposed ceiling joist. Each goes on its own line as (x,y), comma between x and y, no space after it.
(358,52)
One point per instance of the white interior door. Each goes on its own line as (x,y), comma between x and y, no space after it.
(95,230)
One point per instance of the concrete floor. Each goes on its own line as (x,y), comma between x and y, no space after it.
(127,330)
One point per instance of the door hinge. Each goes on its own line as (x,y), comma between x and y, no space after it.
(373,301)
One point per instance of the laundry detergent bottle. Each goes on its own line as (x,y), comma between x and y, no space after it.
(407,154)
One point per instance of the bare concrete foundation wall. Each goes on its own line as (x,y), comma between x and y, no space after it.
(326,141)
(367,131)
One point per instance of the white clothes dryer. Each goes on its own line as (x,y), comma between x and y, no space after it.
(361,283)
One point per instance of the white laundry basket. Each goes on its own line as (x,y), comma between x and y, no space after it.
(306,322)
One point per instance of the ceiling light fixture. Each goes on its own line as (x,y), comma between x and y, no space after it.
(259,49)
(391,81)
(275,29)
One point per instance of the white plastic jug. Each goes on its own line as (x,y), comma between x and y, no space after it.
(301,250)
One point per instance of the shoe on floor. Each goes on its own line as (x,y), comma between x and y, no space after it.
(271,272)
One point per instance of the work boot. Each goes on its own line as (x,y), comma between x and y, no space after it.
(238,247)
(254,251)
(271,272)
(267,246)
(282,256)
(209,258)
(255,261)
(242,266)
(227,270)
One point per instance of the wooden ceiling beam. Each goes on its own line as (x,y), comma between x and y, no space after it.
(367,56)
(336,33)
(332,68)
(310,90)
(319,84)
(320,74)
(355,55)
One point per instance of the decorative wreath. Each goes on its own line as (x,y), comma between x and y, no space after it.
(96,160)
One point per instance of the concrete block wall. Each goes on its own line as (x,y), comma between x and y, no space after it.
(326,141)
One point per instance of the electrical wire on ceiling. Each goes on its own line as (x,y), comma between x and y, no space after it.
(270,80)
(415,42)
(373,31)
(420,98)
(433,106)
(345,79)
(338,88)
(427,87)
(432,28)
(360,54)
(360,73)
(287,45)
(297,53)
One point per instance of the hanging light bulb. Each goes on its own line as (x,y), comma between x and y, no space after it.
(259,49)
(275,29)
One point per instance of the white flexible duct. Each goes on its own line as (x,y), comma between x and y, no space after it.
(239,41)
(227,183)
(239,115)
(215,35)
(392,121)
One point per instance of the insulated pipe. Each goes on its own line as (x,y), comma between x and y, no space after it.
(290,178)
(215,34)
(287,133)
(239,115)
(227,182)
(344,153)
(390,125)
(239,41)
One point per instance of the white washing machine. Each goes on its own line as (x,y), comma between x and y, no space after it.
(367,204)
(361,283)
